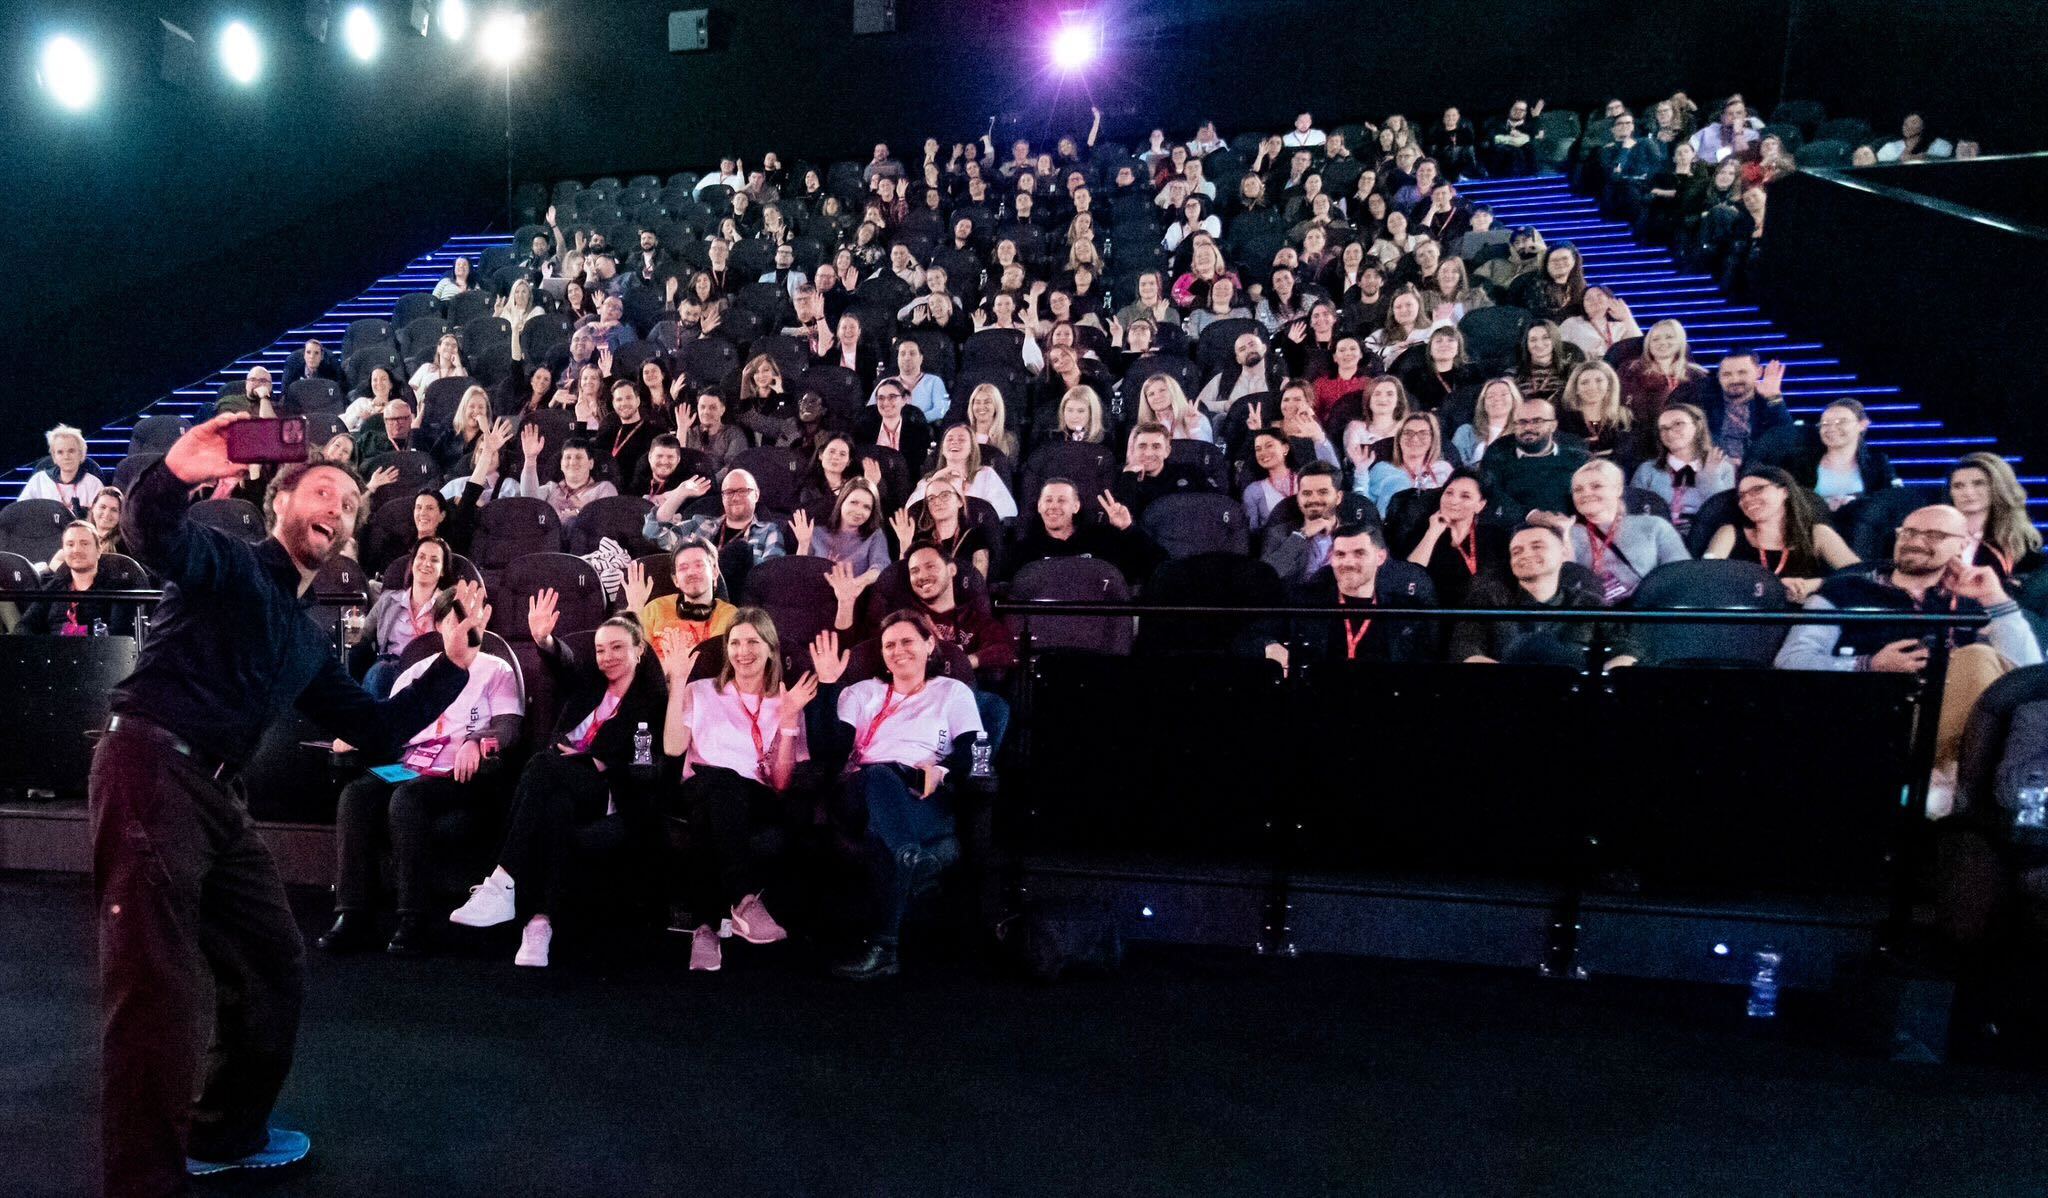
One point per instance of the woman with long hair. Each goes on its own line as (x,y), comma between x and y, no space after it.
(1161,401)
(1590,407)
(1556,291)
(402,614)
(1663,373)
(1493,417)
(958,454)
(516,309)
(941,520)
(833,465)
(987,417)
(740,736)
(1984,489)
(1545,360)
(851,534)
(1688,467)
(1273,479)
(1777,525)
(1079,417)
(1406,325)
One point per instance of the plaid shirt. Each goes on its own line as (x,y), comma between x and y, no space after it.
(763,536)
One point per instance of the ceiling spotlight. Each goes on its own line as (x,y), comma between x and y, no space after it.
(1076,43)
(504,37)
(241,56)
(69,72)
(454,19)
(361,33)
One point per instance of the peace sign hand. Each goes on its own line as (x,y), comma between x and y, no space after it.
(1119,516)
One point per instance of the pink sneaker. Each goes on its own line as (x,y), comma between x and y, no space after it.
(752,923)
(704,951)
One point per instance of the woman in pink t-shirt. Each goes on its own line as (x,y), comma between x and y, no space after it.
(740,736)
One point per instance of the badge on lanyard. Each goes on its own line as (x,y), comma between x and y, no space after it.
(421,757)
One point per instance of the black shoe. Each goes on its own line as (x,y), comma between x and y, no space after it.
(352,933)
(874,960)
(410,938)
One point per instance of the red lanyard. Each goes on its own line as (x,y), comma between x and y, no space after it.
(625,434)
(725,533)
(754,726)
(423,618)
(890,707)
(596,722)
(1469,550)
(1422,480)
(1352,636)
(1763,555)
(1599,543)
(891,438)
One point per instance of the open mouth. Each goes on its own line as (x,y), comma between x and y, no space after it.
(325,530)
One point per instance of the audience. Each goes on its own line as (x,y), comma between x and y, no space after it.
(945,341)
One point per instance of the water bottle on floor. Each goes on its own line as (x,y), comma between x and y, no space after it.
(2030,812)
(1763,985)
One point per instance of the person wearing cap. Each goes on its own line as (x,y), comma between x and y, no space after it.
(1481,239)
(1525,254)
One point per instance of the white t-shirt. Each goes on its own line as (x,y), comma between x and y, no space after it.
(492,691)
(921,727)
(722,735)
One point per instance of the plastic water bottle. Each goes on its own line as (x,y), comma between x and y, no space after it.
(1763,985)
(99,627)
(2032,802)
(984,757)
(643,745)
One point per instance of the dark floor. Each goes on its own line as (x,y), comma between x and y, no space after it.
(1191,1073)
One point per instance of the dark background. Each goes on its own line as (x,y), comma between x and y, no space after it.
(172,230)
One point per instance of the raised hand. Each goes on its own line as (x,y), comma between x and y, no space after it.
(796,698)
(461,638)
(801,524)
(201,455)
(905,529)
(382,476)
(638,587)
(871,469)
(1118,515)
(1980,583)
(678,653)
(551,216)
(686,418)
(1772,384)
(828,660)
(541,614)
(1254,416)
(846,585)
(694,486)
(531,442)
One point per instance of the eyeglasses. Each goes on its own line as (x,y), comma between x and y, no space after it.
(1927,536)
(737,491)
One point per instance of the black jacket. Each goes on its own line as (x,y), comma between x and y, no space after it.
(1399,585)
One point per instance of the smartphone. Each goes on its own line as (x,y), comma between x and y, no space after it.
(279,439)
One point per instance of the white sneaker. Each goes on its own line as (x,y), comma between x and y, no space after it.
(533,944)
(489,905)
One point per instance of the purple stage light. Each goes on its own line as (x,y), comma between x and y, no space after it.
(1076,42)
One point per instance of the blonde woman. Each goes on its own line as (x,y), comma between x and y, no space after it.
(1161,401)
(988,416)
(447,364)
(471,421)
(1590,406)
(516,309)
(1493,414)
(1416,462)
(1651,381)
(1080,417)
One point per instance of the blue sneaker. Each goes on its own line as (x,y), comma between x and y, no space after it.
(284,1148)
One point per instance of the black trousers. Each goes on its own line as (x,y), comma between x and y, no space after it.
(369,809)
(198,949)
(740,830)
(558,813)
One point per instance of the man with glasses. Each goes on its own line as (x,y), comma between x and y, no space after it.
(1927,573)
(1532,471)
(1628,162)
(739,498)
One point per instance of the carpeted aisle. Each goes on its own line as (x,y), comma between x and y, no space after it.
(1193,1073)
